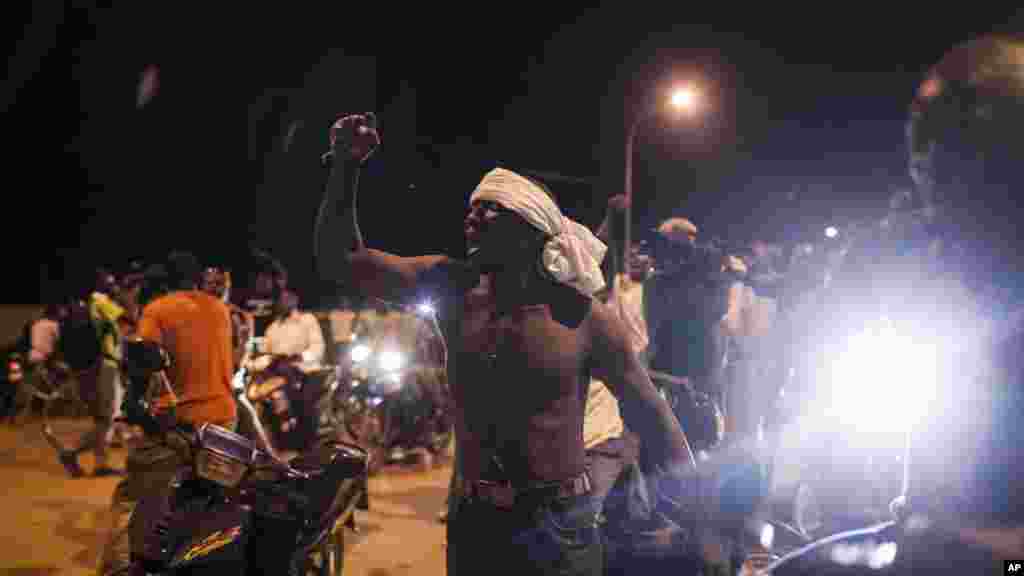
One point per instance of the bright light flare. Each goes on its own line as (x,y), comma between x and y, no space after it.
(831,232)
(685,100)
(391,361)
(767,537)
(883,380)
(426,309)
(360,352)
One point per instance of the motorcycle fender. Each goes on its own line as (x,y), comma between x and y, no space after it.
(220,540)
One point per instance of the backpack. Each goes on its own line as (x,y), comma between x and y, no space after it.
(79,343)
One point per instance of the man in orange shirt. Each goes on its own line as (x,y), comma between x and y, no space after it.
(195,328)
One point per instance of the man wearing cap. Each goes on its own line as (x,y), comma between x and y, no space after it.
(525,336)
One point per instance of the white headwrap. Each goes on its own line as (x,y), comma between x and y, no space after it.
(573,254)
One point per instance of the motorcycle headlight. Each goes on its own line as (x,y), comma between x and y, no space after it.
(360,352)
(391,361)
(223,456)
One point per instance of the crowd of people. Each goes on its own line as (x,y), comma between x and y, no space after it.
(562,435)
(554,406)
(577,324)
(189,310)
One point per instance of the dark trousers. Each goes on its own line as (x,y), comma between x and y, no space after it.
(557,538)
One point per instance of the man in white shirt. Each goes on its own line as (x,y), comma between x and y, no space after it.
(297,336)
(43,365)
(294,333)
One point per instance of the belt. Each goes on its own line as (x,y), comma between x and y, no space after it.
(504,495)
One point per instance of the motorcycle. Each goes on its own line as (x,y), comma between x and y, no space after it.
(235,508)
(388,407)
(290,408)
(698,413)
(292,402)
(916,545)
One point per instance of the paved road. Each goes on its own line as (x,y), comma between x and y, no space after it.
(50,524)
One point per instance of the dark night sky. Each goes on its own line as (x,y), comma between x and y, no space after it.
(800,100)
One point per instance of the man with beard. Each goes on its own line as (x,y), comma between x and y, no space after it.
(526,335)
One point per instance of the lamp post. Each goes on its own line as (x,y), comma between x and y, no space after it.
(684,100)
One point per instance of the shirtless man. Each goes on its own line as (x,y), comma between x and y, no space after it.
(525,336)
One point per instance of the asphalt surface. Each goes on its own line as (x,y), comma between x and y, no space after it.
(51,524)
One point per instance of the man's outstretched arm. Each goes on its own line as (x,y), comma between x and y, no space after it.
(643,409)
(341,255)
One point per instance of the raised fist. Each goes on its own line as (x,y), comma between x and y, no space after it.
(356,134)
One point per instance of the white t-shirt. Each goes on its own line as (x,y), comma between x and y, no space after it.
(602,419)
(296,334)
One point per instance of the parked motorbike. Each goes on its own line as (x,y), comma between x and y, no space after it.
(699,415)
(391,407)
(234,508)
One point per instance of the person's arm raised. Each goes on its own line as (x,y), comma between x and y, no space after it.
(341,255)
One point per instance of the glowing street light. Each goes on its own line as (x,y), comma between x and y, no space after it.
(684,99)
(831,232)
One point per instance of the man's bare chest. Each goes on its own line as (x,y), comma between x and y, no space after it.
(524,344)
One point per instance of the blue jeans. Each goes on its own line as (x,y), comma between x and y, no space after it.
(558,538)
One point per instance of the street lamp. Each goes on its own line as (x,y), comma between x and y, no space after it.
(684,99)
